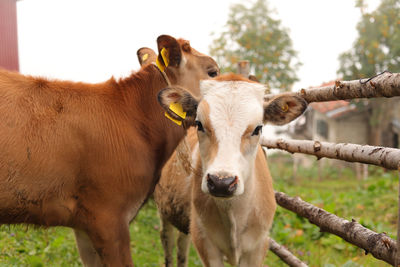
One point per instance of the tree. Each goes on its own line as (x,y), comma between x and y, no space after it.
(252,34)
(376,49)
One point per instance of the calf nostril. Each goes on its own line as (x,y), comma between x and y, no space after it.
(210,183)
(234,183)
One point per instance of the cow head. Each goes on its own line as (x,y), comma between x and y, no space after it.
(229,120)
(182,63)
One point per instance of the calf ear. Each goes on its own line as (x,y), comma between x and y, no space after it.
(283,109)
(253,78)
(146,56)
(179,104)
(169,52)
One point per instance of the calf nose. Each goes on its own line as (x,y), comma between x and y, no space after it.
(221,186)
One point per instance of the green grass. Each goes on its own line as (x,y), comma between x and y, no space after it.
(22,246)
(372,202)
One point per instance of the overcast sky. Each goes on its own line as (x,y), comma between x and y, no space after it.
(91,40)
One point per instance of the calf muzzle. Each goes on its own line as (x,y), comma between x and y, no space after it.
(222,186)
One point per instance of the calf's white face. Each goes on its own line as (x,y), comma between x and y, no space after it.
(229,122)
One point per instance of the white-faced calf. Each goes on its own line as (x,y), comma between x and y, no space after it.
(227,200)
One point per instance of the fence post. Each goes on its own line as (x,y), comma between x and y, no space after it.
(243,68)
(397,259)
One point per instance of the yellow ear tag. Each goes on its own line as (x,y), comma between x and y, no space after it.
(145,56)
(172,119)
(159,65)
(165,56)
(285,108)
(178,110)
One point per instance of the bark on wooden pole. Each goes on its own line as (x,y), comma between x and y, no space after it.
(388,158)
(384,85)
(285,255)
(243,68)
(398,223)
(379,245)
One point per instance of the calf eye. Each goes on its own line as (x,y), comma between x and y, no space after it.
(212,73)
(199,126)
(257,130)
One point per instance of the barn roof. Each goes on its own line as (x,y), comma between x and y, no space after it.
(332,109)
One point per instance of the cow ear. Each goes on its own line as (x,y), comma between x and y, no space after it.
(169,52)
(146,56)
(179,105)
(283,109)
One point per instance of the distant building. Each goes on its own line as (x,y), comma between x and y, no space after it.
(339,122)
(392,136)
(345,122)
(8,35)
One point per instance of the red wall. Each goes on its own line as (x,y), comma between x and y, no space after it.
(8,35)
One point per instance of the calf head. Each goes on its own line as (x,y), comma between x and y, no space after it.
(180,62)
(229,120)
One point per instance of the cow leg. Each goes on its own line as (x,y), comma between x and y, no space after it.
(183,249)
(167,241)
(110,239)
(87,252)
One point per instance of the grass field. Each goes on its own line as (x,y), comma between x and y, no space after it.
(371,202)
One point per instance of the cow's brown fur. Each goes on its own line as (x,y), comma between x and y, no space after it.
(173,200)
(87,156)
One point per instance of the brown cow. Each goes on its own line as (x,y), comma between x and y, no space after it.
(227,199)
(87,156)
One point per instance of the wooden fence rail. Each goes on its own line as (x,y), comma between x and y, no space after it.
(379,245)
(383,85)
(388,158)
(284,254)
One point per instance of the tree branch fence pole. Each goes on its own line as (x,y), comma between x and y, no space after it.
(379,245)
(388,158)
(285,255)
(383,85)
(243,68)
(398,223)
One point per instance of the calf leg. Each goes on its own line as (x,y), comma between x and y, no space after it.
(183,249)
(210,255)
(255,257)
(167,241)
